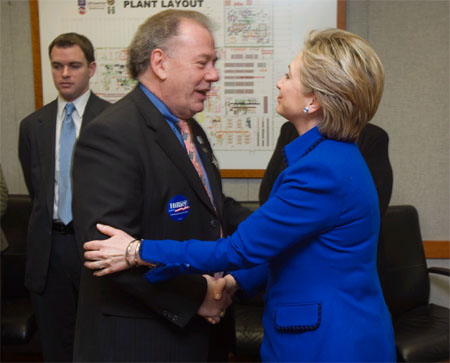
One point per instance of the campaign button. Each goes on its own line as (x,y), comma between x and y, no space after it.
(178,207)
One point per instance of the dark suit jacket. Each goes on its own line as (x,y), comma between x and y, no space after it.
(128,165)
(37,156)
(373,145)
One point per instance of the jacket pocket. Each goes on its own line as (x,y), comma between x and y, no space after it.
(298,317)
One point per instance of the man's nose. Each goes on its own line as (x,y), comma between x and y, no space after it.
(212,75)
(66,71)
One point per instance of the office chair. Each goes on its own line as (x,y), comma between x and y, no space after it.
(421,329)
(19,340)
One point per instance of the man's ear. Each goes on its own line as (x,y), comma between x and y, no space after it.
(158,63)
(92,67)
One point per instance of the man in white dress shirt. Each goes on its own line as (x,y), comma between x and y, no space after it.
(46,141)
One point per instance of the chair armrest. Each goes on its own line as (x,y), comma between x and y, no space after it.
(439,270)
(252,205)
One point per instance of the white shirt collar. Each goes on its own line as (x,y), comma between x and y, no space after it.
(80,104)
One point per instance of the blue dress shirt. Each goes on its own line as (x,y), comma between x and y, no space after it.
(172,121)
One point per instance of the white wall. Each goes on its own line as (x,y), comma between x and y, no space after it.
(412,40)
(17,90)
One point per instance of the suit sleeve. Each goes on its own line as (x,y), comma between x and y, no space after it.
(108,188)
(234,213)
(298,211)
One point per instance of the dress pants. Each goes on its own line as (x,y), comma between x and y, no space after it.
(56,307)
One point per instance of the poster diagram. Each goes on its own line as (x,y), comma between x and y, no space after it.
(255,42)
(248,26)
(111,81)
(238,112)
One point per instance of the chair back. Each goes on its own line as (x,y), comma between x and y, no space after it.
(15,225)
(401,260)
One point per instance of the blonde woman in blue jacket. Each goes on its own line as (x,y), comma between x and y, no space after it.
(313,243)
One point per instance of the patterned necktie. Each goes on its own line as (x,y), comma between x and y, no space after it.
(192,153)
(66,142)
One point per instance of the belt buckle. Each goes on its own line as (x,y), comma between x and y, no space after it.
(59,226)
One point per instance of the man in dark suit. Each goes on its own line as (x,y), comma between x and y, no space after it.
(132,171)
(45,147)
(373,145)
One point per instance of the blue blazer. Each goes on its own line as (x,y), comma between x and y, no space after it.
(314,244)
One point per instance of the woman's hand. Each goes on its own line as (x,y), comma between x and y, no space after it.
(108,256)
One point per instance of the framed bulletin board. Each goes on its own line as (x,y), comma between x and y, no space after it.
(255,41)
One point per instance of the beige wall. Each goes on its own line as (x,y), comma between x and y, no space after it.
(412,39)
(17,93)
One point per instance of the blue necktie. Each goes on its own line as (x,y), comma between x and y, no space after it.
(66,142)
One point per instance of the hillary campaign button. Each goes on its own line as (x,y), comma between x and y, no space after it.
(178,207)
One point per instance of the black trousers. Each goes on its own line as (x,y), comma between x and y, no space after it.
(56,308)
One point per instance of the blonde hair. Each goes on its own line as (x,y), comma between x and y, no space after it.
(154,33)
(347,78)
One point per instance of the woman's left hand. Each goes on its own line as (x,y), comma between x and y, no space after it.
(108,256)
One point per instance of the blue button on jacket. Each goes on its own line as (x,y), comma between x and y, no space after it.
(313,243)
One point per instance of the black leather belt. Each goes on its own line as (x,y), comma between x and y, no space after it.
(62,228)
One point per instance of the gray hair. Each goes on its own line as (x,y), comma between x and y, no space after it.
(155,33)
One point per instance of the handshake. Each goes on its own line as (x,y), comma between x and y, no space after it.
(218,297)
(117,253)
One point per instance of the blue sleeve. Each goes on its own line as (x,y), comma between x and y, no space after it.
(307,203)
(252,280)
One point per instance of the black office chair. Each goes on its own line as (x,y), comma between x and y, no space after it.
(421,329)
(19,340)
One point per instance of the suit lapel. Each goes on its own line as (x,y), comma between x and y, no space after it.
(207,160)
(169,143)
(46,140)
(47,143)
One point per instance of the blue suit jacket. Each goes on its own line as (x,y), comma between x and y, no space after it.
(315,242)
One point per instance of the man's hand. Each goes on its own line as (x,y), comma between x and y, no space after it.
(216,301)
(107,256)
(231,285)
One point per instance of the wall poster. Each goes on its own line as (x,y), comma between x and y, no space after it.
(255,41)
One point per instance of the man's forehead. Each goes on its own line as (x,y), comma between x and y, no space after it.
(192,48)
(72,47)
(190,28)
(73,52)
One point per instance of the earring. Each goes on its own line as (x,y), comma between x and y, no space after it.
(305,110)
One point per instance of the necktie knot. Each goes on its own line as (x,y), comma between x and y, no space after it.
(183,126)
(70,107)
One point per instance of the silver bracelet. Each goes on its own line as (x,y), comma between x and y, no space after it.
(127,252)
(136,252)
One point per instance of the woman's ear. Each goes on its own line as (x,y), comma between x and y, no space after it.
(158,63)
(313,103)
